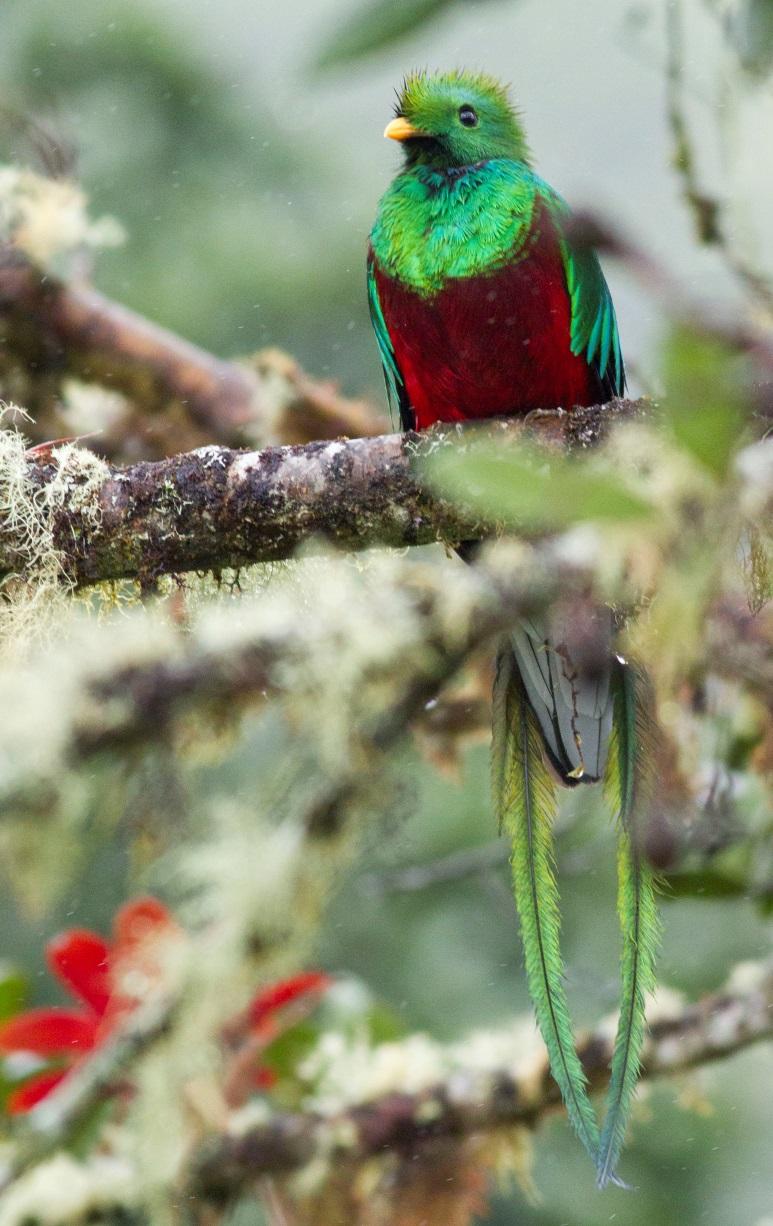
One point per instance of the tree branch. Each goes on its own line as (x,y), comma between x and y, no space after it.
(215,507)
(131,702)
(473,1100)
(51,330)
(71,329)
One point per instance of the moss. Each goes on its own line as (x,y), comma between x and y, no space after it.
(36,585)
(33,586)
(65,1192)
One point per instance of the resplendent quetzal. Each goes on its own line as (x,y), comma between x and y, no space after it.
(481,306)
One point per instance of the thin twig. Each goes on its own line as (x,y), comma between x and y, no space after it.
(49,1125)
(456,866)
(706,210)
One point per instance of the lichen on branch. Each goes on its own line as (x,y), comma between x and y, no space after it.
(414,1091)
(215,507)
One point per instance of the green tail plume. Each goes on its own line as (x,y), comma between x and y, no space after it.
(628,783)
(525,801)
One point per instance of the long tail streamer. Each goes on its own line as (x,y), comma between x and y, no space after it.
(628,784)
(526,804)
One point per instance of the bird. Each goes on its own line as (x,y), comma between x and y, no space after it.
(485,304)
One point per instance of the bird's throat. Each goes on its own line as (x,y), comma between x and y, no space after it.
(436,224)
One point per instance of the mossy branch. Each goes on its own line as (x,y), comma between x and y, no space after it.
(72,329)
(475,1099)
(215,507)
(113,700)
(53,330)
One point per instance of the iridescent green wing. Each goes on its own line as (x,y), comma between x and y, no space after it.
(594,324)
(396,393)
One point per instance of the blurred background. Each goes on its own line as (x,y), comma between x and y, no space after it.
(247,174)
(240,145)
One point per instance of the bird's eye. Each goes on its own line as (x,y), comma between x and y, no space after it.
(468,117)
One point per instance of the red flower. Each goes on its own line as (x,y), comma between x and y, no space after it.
(108,979)
(271,1011)
(277,996)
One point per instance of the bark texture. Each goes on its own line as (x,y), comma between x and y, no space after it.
(216,507)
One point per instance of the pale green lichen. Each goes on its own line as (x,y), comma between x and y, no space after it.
(251,880)
(344,1071)
(34,590)
(79,476)
(47,219)
(25,528)
(89,408)
(65,1192)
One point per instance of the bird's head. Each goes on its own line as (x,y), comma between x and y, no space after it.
(456,119)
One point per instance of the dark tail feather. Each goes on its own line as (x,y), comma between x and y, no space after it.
(570,697)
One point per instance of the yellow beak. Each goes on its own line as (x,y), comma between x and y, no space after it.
(401,129)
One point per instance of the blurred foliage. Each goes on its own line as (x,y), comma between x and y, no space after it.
(530,490)
(198,175)
(750,28)
(350,1010)
(13,995)
(705,398)
(378,24)
(13,990)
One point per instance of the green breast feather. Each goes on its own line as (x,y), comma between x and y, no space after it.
(433,226)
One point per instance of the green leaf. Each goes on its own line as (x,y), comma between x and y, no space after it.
(705,883)
(347,1008)
(751,31)
(383,1024)
(377,25)
(705,398)
(13,990)
(284,1055)
(525,490)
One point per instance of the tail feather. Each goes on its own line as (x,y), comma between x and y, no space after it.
(629,786)
(572,702)
(525,800)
